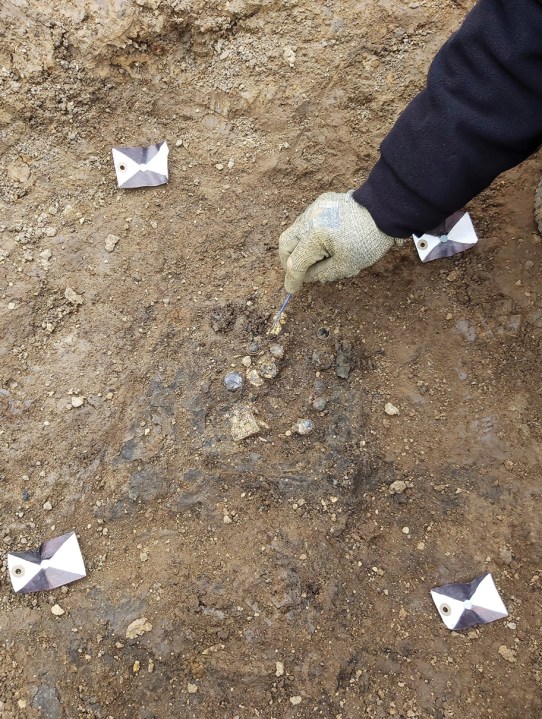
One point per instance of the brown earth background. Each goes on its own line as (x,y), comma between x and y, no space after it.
(281,575)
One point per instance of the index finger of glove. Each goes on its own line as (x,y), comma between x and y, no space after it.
(288,241)
(304,256)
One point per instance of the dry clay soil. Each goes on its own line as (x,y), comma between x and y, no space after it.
(279,576)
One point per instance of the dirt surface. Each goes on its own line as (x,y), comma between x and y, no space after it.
(281,575)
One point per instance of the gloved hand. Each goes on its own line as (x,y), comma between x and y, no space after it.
(334,238)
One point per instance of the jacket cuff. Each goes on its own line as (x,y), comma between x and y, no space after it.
(394,207)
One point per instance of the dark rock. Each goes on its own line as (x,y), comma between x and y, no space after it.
(47,703)
(345,359)
(223,318)
(147,485)
(322,360)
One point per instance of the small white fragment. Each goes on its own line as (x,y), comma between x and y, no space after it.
(391,409)
(57,610)
(397,487)
(192,688)
(288,55)
(11,305)
(111,242)
(73,297)
(47,506)
(295,700)
(77,401)
(279,669)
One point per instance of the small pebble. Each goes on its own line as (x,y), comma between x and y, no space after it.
(243,423)
(322,360)
(303,427)
(406,530)
(246,361)
(137,628)
(136,667)
(269,370)
(254,378)
(111,242)
(345,360)
(397,487)
(77,401)
(233,381)
(255,346)
(319,404)
(57,610)
(276,351)
(507,654)
(279,669)
(295,700)
(391,409)
(72,296)
(47,506)
(192,688)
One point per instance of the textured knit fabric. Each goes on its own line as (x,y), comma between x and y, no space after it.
(480,114)
(334,238)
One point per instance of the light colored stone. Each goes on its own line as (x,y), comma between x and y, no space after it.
(57,610)
(111,242)
(276,350)
(137,628)
(295,700)
(72,296)
(192,688)
(243,423)
(77,401)
(507,654)
(47,506)
(397,487)
(279,669)
(254,378)
(289,56)
(18,171)
(391,409)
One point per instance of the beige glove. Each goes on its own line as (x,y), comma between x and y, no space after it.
(334,238)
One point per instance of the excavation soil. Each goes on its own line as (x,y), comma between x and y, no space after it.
(279,575)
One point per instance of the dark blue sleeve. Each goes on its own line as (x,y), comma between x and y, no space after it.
(480,114)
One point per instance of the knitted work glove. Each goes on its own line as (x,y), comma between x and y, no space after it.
(334,238)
